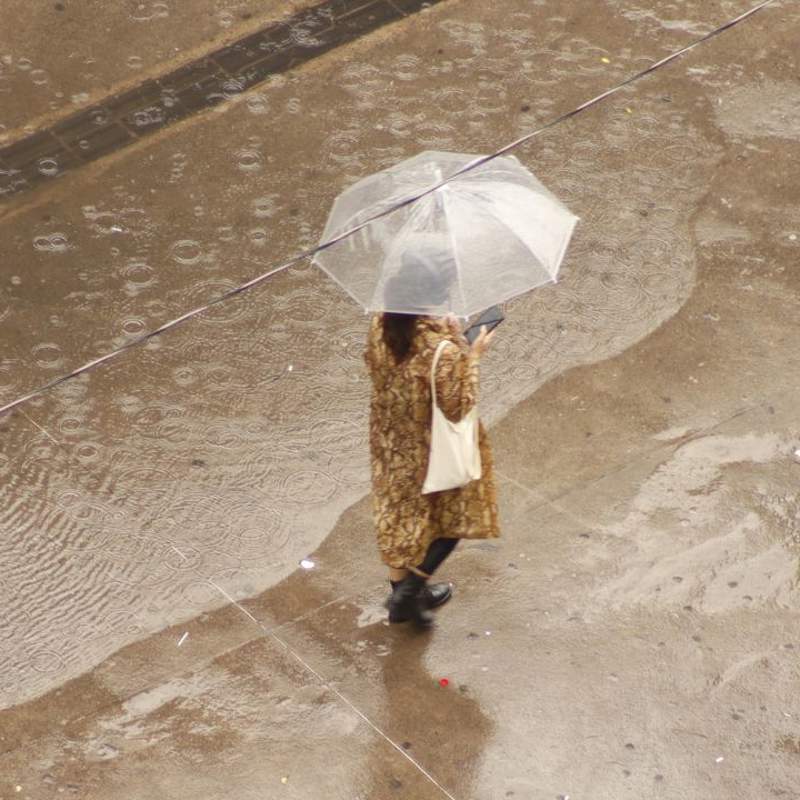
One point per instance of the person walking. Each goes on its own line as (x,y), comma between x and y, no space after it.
(416,532)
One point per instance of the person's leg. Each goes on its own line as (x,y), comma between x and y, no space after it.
(430,595)
(438,551)
(437,594)
(397,575)
(409,600)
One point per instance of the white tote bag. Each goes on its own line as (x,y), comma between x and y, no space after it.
(455,458)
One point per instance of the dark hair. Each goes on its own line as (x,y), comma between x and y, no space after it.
(398,333)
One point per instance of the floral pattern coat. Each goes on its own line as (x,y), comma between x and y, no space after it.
(406,520)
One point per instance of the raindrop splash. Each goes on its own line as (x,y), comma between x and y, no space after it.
(48,167)
(248,160)
(54,243)
(186,251)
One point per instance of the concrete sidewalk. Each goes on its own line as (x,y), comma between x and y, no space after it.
(634,633)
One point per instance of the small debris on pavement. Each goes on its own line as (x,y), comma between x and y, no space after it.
(183,638)
(444,682)
(605,60)
(307,563)
(720,759)
(284,779)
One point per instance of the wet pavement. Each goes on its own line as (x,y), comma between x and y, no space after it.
(120,119)
(104,49)
(634,632)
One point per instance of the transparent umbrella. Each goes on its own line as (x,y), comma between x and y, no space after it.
(481,239)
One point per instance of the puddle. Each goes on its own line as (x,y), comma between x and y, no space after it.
(765,109)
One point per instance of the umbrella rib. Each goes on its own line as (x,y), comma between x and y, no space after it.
(445,206)
(376,211)
(491,211)
(489,208)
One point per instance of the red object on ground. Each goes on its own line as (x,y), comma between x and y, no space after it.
(444,682)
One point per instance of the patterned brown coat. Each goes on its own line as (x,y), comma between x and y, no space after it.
(400,421)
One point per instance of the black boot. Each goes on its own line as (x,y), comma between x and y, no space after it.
(436,594)
(409,602)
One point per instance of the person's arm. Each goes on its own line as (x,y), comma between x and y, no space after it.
(458,375)
(457,381)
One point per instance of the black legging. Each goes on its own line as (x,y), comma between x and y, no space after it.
(438,551)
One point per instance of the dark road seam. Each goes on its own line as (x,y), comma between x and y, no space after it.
(154,105)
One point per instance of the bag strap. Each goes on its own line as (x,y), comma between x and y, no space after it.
(435,362)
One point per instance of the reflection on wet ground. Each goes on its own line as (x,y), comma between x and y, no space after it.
(648,570)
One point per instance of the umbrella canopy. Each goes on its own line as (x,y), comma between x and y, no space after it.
(481,239)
